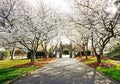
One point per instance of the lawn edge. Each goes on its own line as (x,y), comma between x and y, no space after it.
(23,75)
(101,73)
(108,77)
(26,74)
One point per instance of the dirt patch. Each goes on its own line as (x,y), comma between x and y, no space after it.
(93,65)
(38,63)
(103,64)
(107,65)
(105,58)
(80,59)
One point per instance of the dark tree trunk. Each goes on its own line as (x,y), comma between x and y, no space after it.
(45,54)
(85,52)
(12,53)
(70,50)
(55,53)
(60,51)
(33,56)
(98,59)
(86,57)
(70,54)
(60,54)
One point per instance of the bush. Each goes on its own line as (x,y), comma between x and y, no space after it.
(39,54)
(5,55)
(115,53)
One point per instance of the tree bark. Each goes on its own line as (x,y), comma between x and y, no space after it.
(33,56)
(70,50)
(70,53)
(98,59)
(85,52)
(60,53)
(45,54)
(56,53)
(12,53)
(86,57)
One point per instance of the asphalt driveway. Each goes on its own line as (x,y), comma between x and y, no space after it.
(65,71)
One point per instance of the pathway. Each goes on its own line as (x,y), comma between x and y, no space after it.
(65,71)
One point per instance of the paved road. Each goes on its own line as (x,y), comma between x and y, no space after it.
(65,71)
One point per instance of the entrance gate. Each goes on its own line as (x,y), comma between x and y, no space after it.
(62,47)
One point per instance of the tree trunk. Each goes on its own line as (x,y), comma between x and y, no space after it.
(12,53)
(86,57)
(55,53)
(45,54)
(85,52)
(33,56)
(70,53)
(61,49)
(98,59)
(70,50)
(60,54)
(92,52)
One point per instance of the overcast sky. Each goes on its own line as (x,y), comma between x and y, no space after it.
(60,5)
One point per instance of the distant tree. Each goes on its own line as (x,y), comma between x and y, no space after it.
(9,16)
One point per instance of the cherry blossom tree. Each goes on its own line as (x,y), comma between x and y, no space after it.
(99,20)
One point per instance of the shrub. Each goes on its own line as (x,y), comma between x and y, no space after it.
(115,53)
(39,54)
(5,55)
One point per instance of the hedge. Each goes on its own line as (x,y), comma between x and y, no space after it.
(39,54)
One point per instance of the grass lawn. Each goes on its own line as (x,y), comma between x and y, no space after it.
(10,71)
(113,72)
(10,63)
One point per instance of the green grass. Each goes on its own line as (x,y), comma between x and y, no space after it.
(7,73)
(92,60)
(10,63)
(113,72)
